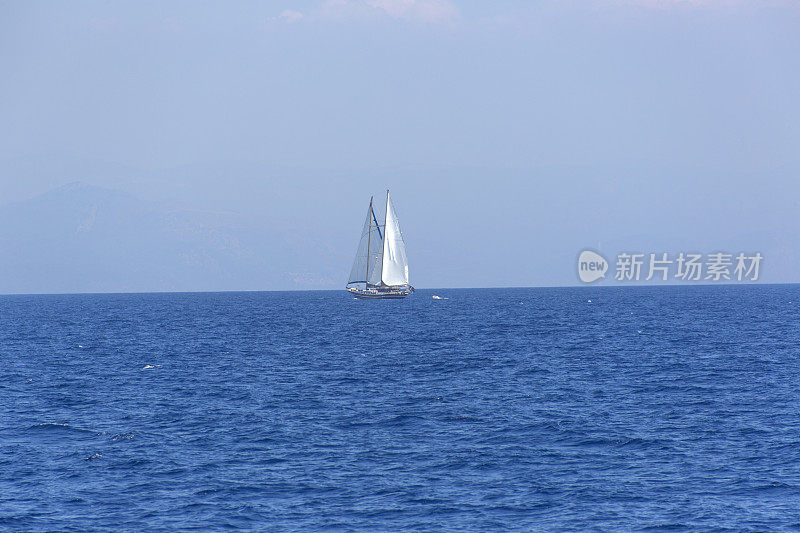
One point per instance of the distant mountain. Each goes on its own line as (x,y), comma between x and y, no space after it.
(81,238)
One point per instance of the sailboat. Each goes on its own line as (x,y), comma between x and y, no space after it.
(380,269)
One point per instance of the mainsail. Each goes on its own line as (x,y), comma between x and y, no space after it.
(370,249)
(381,257)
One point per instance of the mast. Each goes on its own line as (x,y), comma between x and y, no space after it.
(385,215)
(369,236)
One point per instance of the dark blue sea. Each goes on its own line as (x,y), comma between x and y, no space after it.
(659,408)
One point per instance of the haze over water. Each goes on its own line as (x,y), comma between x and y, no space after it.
(244,140)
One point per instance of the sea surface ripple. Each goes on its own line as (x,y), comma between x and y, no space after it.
(663,408)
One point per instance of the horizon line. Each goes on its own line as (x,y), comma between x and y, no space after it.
(583,286)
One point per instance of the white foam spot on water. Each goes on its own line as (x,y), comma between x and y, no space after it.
(147,367)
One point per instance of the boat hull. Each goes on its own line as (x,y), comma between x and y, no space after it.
(393,294)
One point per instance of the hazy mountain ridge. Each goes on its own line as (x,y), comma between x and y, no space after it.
(82,238)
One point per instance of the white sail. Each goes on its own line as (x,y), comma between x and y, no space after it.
(368,254)
(394,266)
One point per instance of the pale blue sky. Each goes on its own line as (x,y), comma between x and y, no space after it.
(512,134)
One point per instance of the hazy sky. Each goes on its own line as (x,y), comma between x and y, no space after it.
(512,133)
